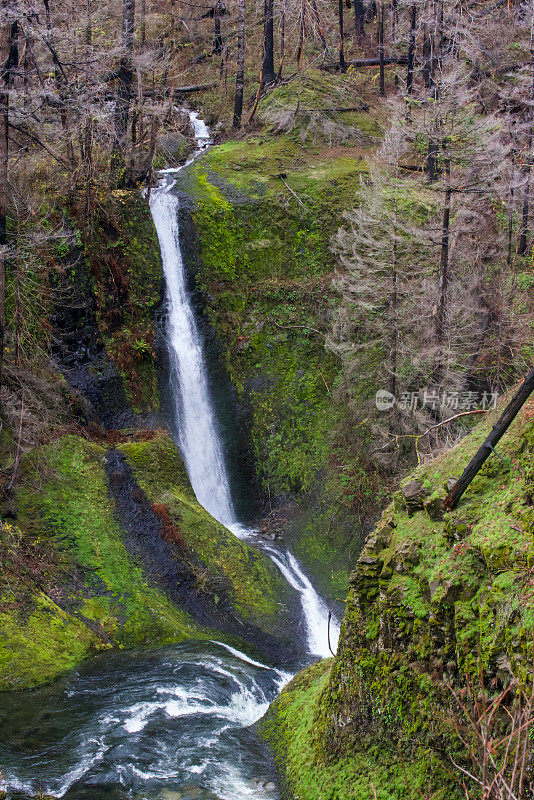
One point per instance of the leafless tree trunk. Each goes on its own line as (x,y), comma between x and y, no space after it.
(217,36)
(443,280)
(427,58)
(359,13)
(61,81)
(142,31)
(381,47)
(393,312)
(411,50)
(523,236)
(124,92)
(268,75)
(8,60)
(320,29)
(341,48)
(282,37)
(240,73)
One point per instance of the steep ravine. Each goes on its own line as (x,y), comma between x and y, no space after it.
(117,552)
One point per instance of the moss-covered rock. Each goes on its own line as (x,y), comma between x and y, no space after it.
(122,273)
(433,596)
(72,583)
(258,590)
(73,588)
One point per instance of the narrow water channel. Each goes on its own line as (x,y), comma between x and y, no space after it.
(171,724)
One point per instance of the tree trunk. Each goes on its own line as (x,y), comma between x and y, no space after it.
(431,163)
(393,314)
(142,32)
(411,51)
(240,72)
(61,82)
(359,12)
(320,27)
(381,47)
(394,19)
(8,61)
(268,75)
(439,328)
(523,236)
(341,48)
(217,37)
(500,427)
(427,59)
(88,23)
(282,37)
(124,94)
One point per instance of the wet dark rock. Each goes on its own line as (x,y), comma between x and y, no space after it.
(173,146)
(414,494)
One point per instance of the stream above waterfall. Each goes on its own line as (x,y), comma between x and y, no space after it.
(173,723)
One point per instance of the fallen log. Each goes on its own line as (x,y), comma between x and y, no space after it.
(199,87)
(367,62)
(483,453)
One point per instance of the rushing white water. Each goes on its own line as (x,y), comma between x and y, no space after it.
(199,440)
(198,435)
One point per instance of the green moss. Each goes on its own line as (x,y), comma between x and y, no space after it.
(35,648)
(295,731)
(71,518)
(432,595)
(258,590)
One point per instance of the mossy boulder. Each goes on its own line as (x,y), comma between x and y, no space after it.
(172,147)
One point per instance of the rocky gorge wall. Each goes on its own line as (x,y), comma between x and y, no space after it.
(433,596)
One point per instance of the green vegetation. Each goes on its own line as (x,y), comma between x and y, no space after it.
(257,589)
(80,589)
(265,209)
(122,251)
(295,730)
(433,594)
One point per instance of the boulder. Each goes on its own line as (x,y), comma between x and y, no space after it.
(174,147)
(414,494)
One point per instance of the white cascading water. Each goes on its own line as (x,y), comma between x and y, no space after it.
(198,435)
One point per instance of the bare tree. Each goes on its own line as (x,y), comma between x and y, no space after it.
(124,93)
(240,72)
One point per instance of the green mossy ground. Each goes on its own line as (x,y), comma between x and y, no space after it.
(432,595)
(70,588)
(257,587)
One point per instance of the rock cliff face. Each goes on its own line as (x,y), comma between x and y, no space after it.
(432,596)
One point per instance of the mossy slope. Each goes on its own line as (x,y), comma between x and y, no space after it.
(69,585)
(432,595)
(257,588)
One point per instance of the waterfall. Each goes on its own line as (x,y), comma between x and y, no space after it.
(198,436)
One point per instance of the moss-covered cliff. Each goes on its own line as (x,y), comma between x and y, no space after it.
(264,210)
(432,595)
